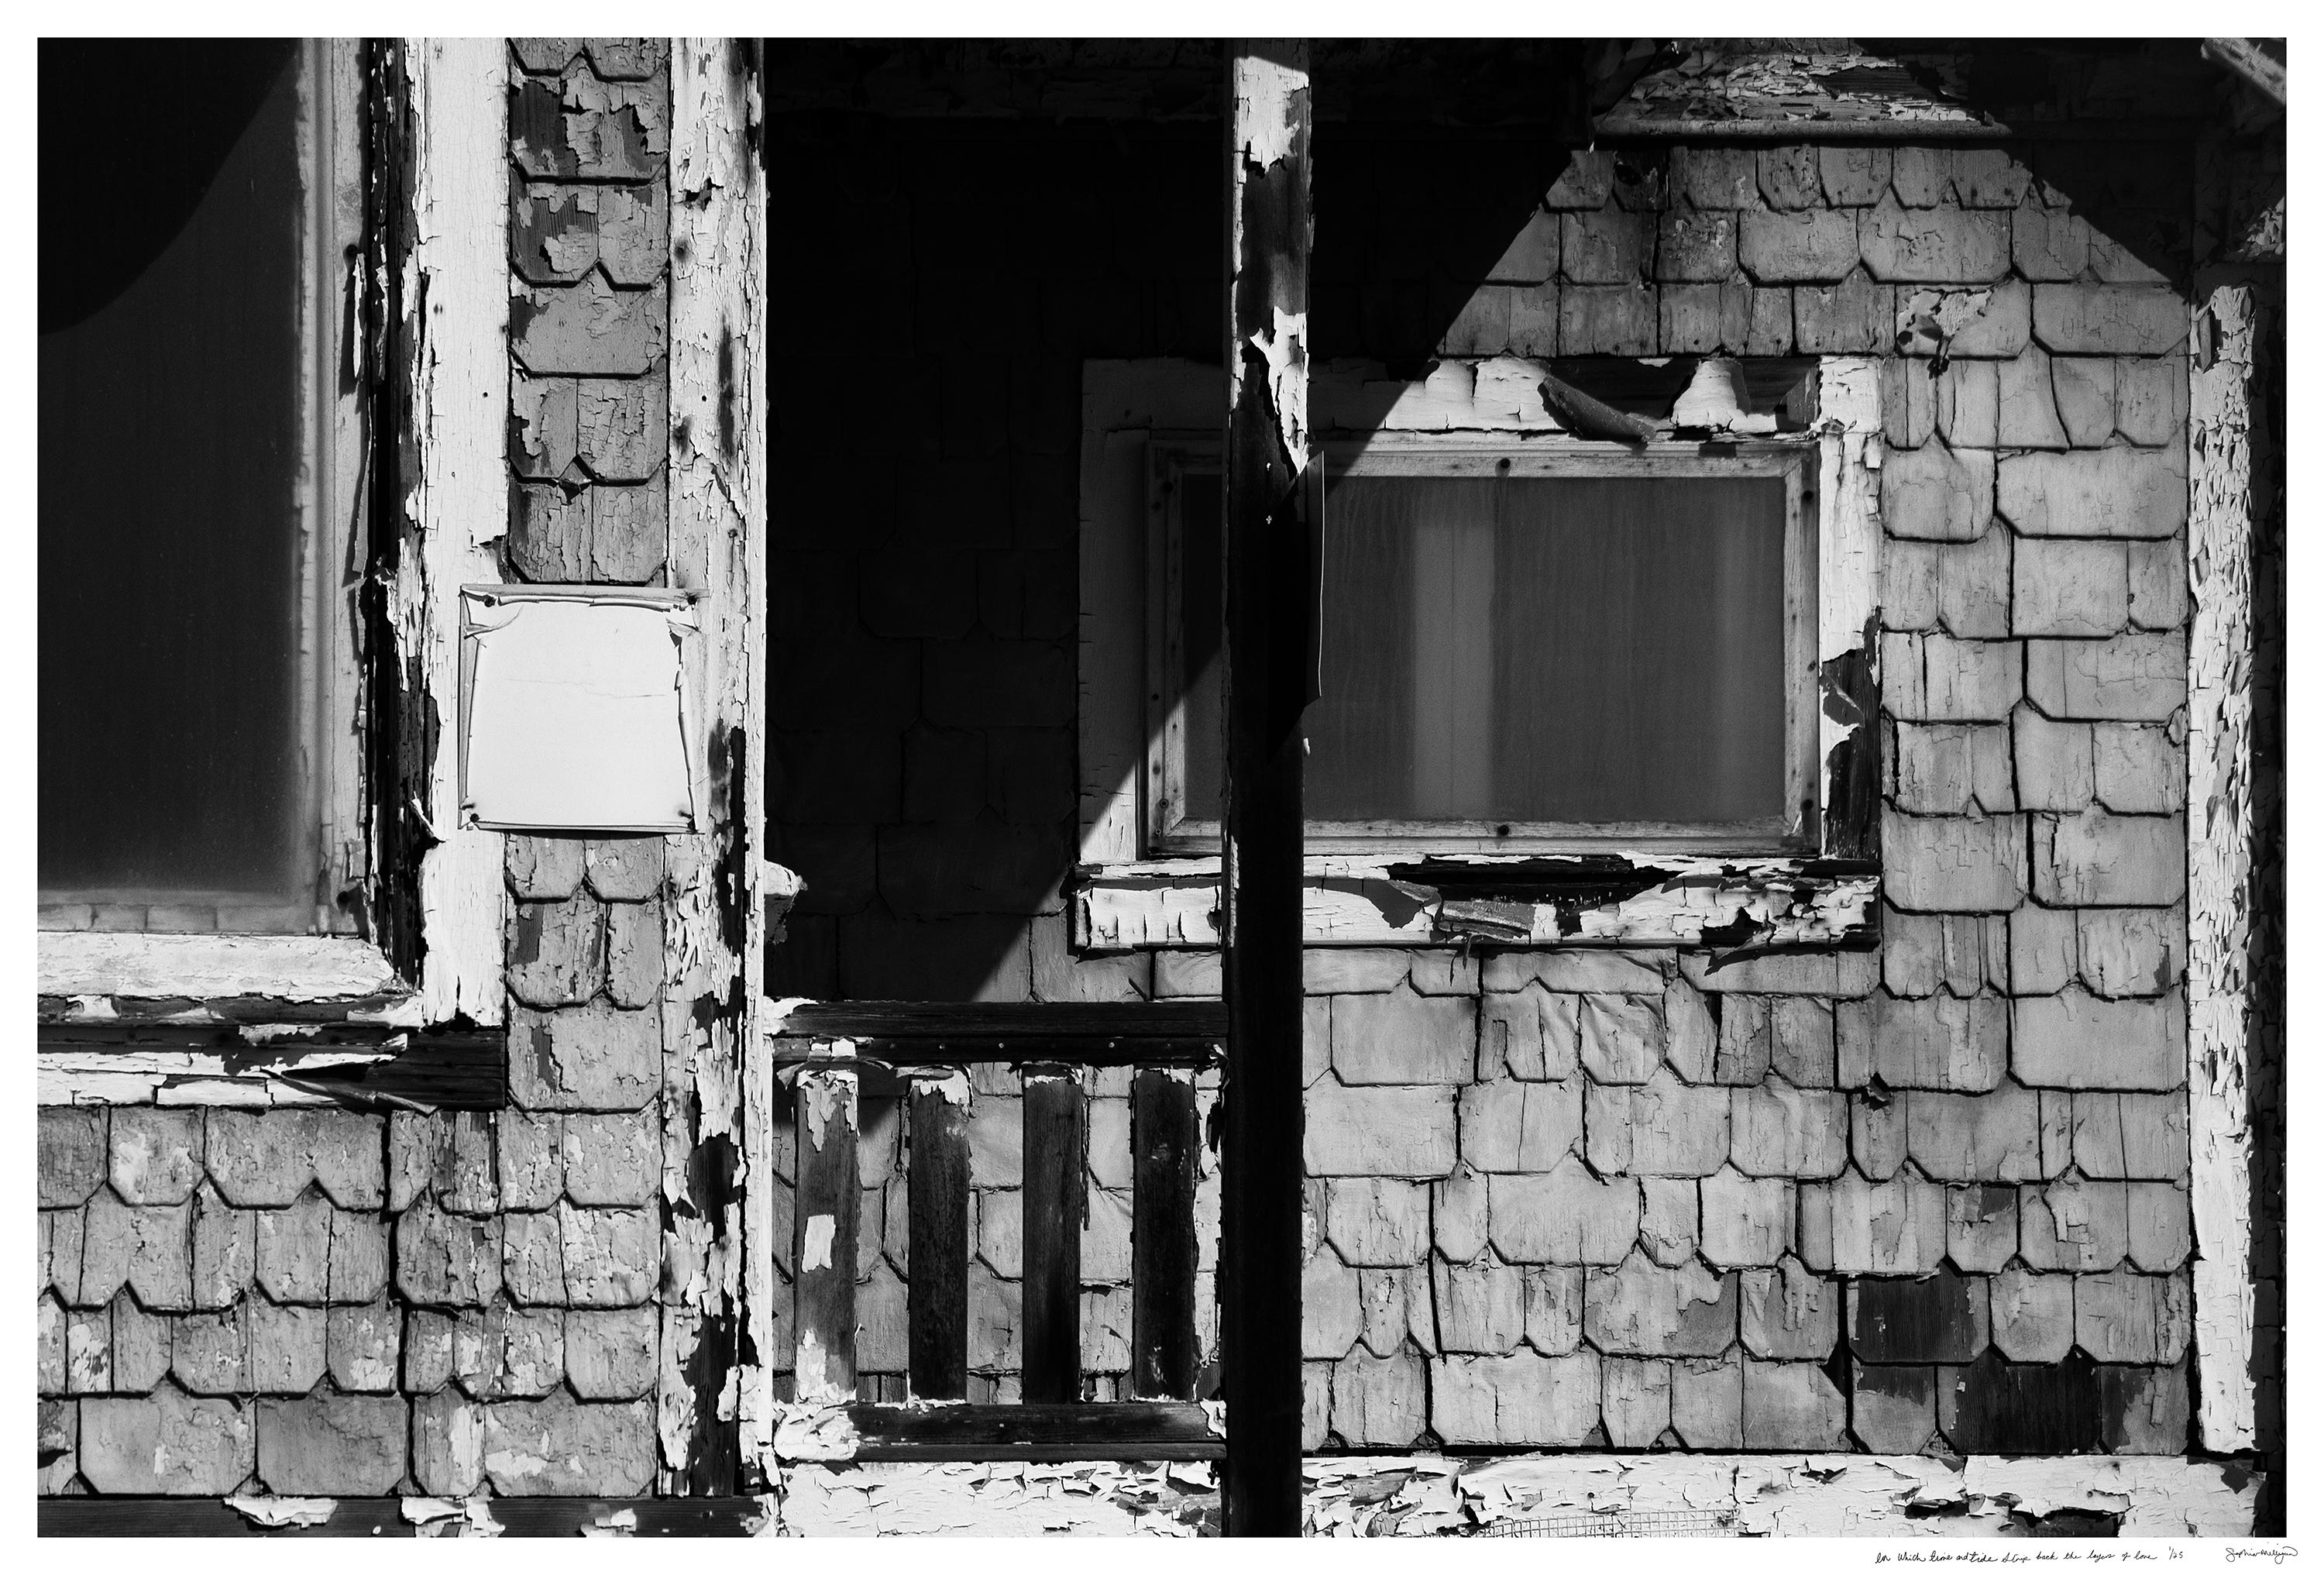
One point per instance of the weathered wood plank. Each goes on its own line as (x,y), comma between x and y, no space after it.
(2220,869)
(1846,592)
(1055,1198)
(89,1516)
(1130,1429)
(973,1021)
(883,1063)
(718,1114)
(823,1236)
(936,1298)
(1662,901)
(1163,1137)
(1266,655)
(454,340)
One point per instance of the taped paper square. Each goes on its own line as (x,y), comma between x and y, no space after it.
(574,703)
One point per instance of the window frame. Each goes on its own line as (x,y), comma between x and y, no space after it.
(1826,897)
(329,521)
(1173,456)
(416,395)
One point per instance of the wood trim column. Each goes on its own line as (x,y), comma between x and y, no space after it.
(1270,228)
(719,1145)
(2219,862)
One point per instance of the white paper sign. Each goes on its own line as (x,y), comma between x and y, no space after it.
(574,709)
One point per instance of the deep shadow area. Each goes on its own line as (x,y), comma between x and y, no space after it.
(943,273)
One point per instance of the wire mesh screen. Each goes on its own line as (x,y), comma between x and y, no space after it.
(1645,1523)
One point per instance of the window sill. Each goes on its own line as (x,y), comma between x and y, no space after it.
(91,974)
(1585,899)
(249,1021)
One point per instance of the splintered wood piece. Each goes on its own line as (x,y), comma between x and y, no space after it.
(1162,1135)
(823,1236)
(1054,1198)
(936,1300)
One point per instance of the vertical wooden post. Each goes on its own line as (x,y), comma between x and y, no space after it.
(716,1421)
(2220,862)
(1269,229)
(936,1300)
(1054,1198)
(823,1235)
(1162,1251)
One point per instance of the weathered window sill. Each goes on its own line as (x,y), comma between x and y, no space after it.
(1618,899)
(247,1020)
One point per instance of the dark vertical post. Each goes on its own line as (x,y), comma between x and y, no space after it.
(1054,1196)
(1162,1249)
(1268,606)
(936,1299)
(823,1235)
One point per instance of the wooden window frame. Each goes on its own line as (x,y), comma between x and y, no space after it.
(1173,456)
(127,1016)
(1129,894)
(332,531)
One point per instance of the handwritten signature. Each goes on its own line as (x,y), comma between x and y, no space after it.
(2278,1555)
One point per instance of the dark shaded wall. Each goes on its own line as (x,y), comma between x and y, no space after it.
(946,280)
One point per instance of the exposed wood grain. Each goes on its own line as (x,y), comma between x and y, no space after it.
(1055,1200)
(823,1236)
(305,968)
(2221,892)
(1163,1138)
(1263,654)
(936,1299)
(1130,1429)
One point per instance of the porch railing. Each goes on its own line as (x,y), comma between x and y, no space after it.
(842,1052)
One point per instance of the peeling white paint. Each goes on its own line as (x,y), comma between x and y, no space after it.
(281,1512)
(2219,860)
(1285,351)
(1824,1496)
(814,1242)
(1264,91)
(457,502)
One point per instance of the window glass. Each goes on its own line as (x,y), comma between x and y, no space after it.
(1579,650)
(172,444)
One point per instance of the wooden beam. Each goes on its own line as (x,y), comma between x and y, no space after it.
(1264,654)
(1006,1023)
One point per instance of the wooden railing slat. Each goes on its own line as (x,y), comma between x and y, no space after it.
(1162,1135)
(823,1235)
(1054,1198)
(936,1298)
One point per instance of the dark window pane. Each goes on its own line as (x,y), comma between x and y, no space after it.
(170,449)
(1585,651)
(1199,570)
